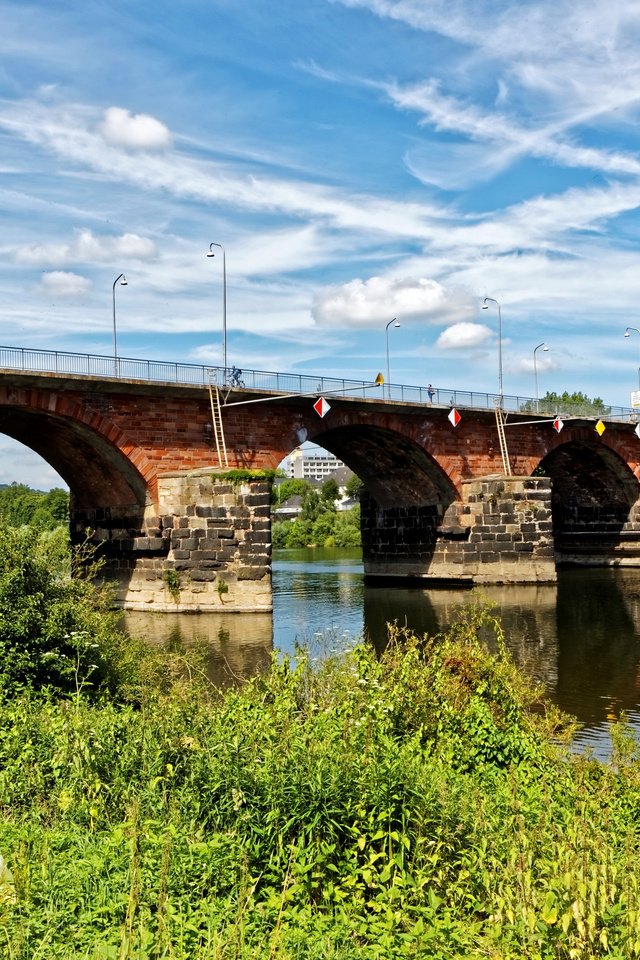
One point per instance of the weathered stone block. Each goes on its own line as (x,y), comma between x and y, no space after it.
(198,575)
(251,573)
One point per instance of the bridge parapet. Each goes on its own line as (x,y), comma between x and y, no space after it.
(129,369)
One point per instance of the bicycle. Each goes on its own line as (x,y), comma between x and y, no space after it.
(234,378)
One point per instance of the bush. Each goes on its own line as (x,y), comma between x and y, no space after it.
(353,808)
(59,632)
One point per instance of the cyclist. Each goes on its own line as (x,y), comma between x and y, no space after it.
(236,374)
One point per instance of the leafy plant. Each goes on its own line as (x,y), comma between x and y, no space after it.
(417,804)
(172,580)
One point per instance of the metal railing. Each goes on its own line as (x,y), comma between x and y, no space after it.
(28,360)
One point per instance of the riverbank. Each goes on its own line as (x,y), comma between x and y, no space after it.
(416,805)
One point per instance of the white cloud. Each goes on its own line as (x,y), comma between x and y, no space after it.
(139,131)
(461,336)
(497,140)
(19,464)
(60,283)
(544,363)
(67,132)
(364,303)
(88,248)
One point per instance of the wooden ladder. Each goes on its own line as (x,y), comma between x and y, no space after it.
(218,429)
(503,440)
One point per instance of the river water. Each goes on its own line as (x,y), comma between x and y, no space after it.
(581,637)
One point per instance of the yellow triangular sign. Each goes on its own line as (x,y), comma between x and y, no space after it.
(379,380)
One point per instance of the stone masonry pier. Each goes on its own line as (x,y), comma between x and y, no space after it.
(500,532)
(209,547)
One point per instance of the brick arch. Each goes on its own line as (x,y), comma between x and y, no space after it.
(396,470)
(593,484)
(101,465)
(530,446)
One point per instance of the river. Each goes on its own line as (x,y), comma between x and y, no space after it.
(581,637)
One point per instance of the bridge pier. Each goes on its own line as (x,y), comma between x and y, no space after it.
(205,545)
(500,532)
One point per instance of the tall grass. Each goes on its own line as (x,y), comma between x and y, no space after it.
(417,805)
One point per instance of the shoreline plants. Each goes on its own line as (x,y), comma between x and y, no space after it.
(419,804)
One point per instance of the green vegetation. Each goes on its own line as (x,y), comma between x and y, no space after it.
(172,581)
(20,505)
(319,523)
(293,487)
(354,486)
(419,805)
(241,475)
(56,632)
(574,404)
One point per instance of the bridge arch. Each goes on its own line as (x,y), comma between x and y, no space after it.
(92,455)
(396,471)
(406,502)
(593,486)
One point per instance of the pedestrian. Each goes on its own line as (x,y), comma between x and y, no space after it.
(432,392)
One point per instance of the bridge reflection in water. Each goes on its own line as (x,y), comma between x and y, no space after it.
(580,637)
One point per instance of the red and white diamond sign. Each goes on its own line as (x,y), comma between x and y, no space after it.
(454,417)
(558,424)
(321,407)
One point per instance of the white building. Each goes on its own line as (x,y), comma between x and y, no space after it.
(304,465)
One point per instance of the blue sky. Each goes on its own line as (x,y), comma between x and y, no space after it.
(359,160)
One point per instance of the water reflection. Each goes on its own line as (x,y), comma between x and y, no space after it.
(527,614)
(580,638)
(238,646)
(598,618)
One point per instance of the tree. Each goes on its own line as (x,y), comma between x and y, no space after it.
(353,486)
(293,487)
(22,506)
(329,493)
(312,505)
(576,404)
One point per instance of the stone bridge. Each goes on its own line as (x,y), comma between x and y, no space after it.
(177,533)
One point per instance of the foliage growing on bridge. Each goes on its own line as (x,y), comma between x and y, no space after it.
(241,475)
(356,808)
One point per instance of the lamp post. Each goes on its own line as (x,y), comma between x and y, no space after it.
(123,283)
(485,306)
(627,334)
(224,302)
(386,333)
(545,349)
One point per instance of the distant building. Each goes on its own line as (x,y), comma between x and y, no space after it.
(306,466)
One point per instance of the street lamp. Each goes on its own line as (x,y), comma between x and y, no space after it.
(386,333)
(123,283)
(545,349)
(627,334)
(224,302)
(485,306)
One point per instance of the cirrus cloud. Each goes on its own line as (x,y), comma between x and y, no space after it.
(88,248)
(139,131)
(365,303)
